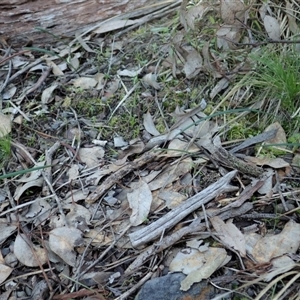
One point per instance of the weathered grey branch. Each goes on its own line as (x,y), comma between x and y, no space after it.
(155,229)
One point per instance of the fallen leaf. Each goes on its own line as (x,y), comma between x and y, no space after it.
(140,202)
(91,156)
(271,246)
(62,241)
(27,253)
(5,124)
(47,95)
(193,64)
(149,124)
(5,270)
(229,234)
(84,82)
(272,28)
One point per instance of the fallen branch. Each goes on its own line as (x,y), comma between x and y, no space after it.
(155,229)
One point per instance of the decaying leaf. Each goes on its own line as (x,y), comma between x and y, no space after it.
(193,64)
(5,124)
(5,270)
(62,241)
(198,265)
(272,27)
(149,124)
(230,234)
(140,202)
(271,246)
(91,156)
(27,253)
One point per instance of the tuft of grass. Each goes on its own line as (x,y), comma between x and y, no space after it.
(5,150)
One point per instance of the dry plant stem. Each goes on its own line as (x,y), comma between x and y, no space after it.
(48,171)
(103,253)
(135,287)
(229,160)
(155,229)
(118,175)
(196,226)
(40,81)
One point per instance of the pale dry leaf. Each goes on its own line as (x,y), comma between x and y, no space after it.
(221,85)
(112,25)
(271,246)
(272,27)
(5,124)
(73,172)
(172,198)
(193,64)
(9,91)
(130,73)
(292,18)
(150,79)
(196,13)
(229,234)
(112,88)
(23,250)
(171,173)
(186,261)
(280,265)
(34,175)
(232,11)
(91,156)
(97,237)
(100,78)
(6,229)
(85,82)
(39,211)
(77,214)
(280,137)
(5,270)
(267,187)
(176,148)
(22,188)
(140,200)
(74,62)
(149,124)
(62,241)
(183,14)
(276,163)
(214,259)
(47,95)
(56,70)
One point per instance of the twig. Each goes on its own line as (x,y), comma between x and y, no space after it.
(155,229)
(118,175)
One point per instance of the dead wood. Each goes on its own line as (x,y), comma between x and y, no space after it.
(19,19)
(155,229)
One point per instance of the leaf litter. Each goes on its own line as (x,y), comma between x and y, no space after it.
(120,195)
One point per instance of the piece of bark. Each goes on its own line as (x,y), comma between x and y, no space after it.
(155,229)
(19,19)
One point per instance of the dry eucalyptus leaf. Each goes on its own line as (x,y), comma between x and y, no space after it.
(149,124)
(150,79)
(229,234)
(110,25)
(140,200)
(5,124)
(23,250)
(91,156)
(6,229)
(84,82)
(47,95)
(22,188)
(5,270)
(272,27)
(193,64)
(62,241)
(232,11)
(195,13)
(270,246)
(211,260)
